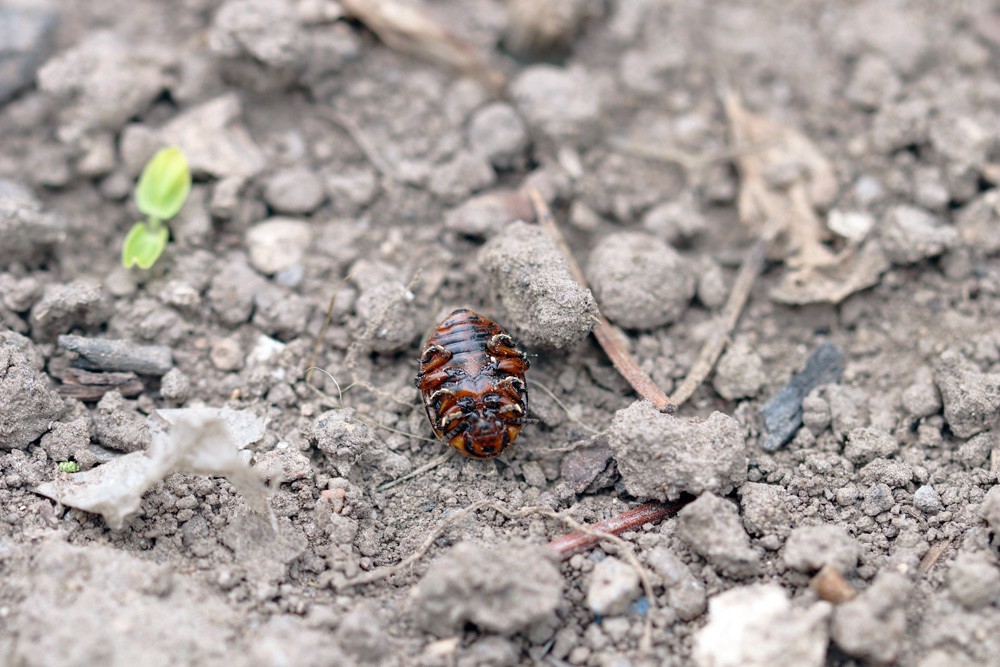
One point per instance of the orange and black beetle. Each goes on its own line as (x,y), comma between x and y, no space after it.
(471,379)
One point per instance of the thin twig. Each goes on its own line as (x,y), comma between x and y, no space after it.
(933,555)
(573,543)
(611,339)
(572,418)
(327,319)
(753,264)
(427,467)
(364,144)
(592,532)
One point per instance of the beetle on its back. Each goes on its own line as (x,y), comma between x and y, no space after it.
(471,379)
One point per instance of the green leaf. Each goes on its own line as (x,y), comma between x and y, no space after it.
(144,245)
(164,184)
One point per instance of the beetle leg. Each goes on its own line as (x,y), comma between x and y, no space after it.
(514,381)
(447,419)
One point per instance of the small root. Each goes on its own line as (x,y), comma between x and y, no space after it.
(427,467)
(597,535)
(571,416)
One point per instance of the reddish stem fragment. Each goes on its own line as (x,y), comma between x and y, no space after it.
(573,543)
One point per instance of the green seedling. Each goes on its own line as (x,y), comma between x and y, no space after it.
(69,466)
(163,187)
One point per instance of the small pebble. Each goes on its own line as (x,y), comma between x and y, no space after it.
(877,499)
(175,386)
(278,243)
(910,234)
(295,191)
(226,354)
(498,133)
(739,373)
(927,500)
(614,584)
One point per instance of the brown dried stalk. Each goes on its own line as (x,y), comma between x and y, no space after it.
(753,264)
(405,29)
(573,543)
(610,337)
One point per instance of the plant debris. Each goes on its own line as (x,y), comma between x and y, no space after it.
(204,441)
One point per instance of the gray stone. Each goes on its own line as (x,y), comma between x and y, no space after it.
(927,500)
(498,133)
(488,213)
(877,499)
(459,177)
(739,373)
(922,398)
(231,292)
(175,386)
(685,594)
(662,456)
(563,105)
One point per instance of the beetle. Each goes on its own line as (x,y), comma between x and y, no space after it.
(471,380)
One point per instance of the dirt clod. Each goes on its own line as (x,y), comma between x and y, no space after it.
(662,456)
(505,590)
(711,527)
(639,281)
(871,626)
(79,304)
(27,405)
(809,548)
(909,235)
(739,373)
(971,398)
(530,279)
(757,626)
